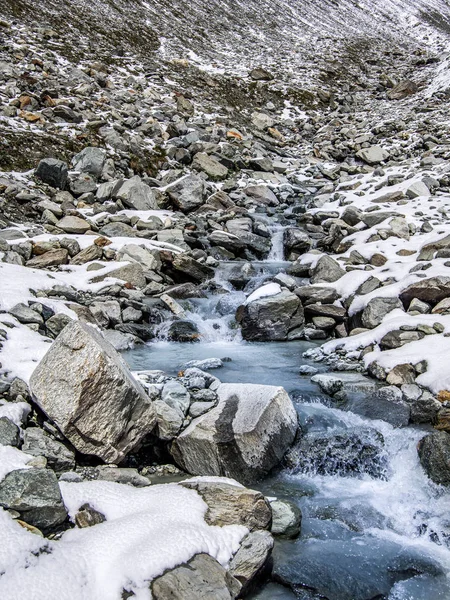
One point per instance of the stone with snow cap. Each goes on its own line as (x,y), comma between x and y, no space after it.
(243,437)
(86,389)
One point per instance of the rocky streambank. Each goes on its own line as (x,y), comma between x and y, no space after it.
(132,192)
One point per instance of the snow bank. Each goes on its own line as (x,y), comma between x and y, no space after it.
(148,530)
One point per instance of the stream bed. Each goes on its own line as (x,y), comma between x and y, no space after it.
(374,526)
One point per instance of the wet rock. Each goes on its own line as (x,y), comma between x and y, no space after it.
(183,331)
(286,519)
(296,242)
(271,318)
(37,443)
(434,455)
(35,494)
(201,577)
(83,385)
(386,404)
(243,437)
(337,569)
(53,172)
(252,559)
(191,268)
(346,453)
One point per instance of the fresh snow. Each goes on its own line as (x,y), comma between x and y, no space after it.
(147,531)
(270,289)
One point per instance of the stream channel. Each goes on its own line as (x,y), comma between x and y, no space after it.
(374,526)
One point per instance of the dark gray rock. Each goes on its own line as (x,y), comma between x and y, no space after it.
(53,172)
(271,318)
(37,443)
(187,193)
(326,270)
(35,494)
(90,160)
(434,454)
(183,331)
(9,433)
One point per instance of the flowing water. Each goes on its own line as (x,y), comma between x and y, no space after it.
(374,526)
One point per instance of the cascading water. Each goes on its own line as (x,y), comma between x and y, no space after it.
(374,526)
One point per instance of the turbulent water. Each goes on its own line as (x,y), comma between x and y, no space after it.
(374,526)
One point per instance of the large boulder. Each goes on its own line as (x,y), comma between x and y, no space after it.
(243,437)
(86,389)
(434,455)
(296,242)
(271,317)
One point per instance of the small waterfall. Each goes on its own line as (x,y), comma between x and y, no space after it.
(276,253)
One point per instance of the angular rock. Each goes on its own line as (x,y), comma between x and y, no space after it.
(90,160)
(243,437)
(35,494)
(187,193)
(230,504)
(73,225)
(86,389)
(431,290)
(270,318)
(326,270)
(53,172)
(137,195)
(53,258)
(252,559)
(209,165)
(434,455)
(373,155)
(201,577)
(37,443)
(9,433)
(191,268)
(376,309)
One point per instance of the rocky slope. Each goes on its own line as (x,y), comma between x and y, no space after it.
(142,143)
